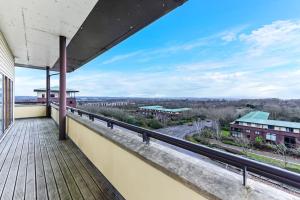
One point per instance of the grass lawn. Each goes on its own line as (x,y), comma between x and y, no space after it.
(191,139)
(268,160)
(260,158)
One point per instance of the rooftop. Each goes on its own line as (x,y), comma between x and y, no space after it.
(259,117)
(54,89)
(161,108)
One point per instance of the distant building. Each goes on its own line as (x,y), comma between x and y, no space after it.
(160,112)
(108,103)
(54,95)
(257,123)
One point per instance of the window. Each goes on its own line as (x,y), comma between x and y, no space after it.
(290,130)
(257,132)
(290,142)
(52,95)
(271,137)
(248,131)
(236,134)
(7,103)
(271,127)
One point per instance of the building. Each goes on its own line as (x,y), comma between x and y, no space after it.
(61,155)
(257,124)
(54,96)
(162,113)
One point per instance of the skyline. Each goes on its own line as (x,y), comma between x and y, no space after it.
(199,50)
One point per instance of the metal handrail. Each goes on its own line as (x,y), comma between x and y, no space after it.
(266,170)
(29,102)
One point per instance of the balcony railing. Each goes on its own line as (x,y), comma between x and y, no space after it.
(247,165)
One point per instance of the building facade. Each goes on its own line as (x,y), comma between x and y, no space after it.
(54,96)
(257,124)
(161,113)
(7,73)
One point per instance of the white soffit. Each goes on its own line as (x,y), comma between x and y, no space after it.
(32,27)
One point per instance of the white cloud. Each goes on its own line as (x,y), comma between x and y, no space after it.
(262,65)
(121,57)
(279,35)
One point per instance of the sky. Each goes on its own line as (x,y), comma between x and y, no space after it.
(205,48)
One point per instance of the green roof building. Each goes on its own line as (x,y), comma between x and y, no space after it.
(257,124)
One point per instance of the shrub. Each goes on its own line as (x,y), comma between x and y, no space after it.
(155,124)
(258,140)
(294,152)
(207,132)
(201,139)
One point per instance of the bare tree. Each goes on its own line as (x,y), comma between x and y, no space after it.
(244,142)
(216,128)
(199,126)
(281,149)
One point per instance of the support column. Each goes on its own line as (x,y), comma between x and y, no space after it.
(62,87)
(47,91)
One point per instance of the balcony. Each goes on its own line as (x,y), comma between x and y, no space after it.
(58,152)
(110,162)
(35,165)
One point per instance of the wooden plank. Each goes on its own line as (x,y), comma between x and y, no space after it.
(105,186)
(41,187)
(8,161)
(73,188)
(19,192)
(85,175)
(85,191)
(60,180)
(8,138)
(50,180)
(71,183)
(35,165)
(8,145)
(30,192)
(14,168)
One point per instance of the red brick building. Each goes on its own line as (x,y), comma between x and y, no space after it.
(54,95)
(256,124)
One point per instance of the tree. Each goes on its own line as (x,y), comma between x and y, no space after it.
(199,126)
(216,128)
(244,142)
(281,149)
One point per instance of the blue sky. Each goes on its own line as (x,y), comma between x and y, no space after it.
(206,48)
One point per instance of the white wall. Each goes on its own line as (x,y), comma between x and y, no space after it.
(7,64)
(6,59)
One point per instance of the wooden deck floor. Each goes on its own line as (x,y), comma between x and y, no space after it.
(35,165)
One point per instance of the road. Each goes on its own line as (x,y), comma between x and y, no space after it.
(181,131)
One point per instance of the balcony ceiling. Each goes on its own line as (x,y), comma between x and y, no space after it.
(32,27)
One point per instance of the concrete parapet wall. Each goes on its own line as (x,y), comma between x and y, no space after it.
(29,111)
(154,171)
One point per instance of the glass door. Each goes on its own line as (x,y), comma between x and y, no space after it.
(1,106)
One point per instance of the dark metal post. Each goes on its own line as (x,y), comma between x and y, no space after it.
(47,92)
(245,176)
(146,138)
(62,87)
